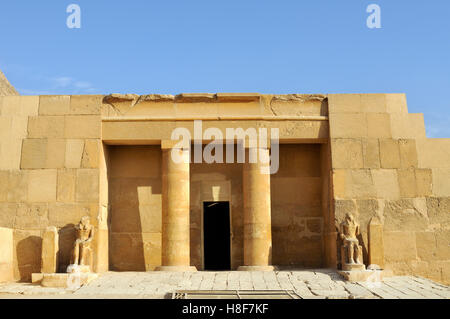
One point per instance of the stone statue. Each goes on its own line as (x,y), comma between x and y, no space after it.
(82,251)
(351,251)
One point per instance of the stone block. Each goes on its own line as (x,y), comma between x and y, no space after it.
(353,184)
(348,125)
(426,245)
(54,104)
(389,153)
(10,153)
(406,215)
(46,127)
(91,154)
(42,185)
(346,153)
(433,152)
(6,255)
(87,189)
(443,244)
(86,104)
(441,182)
(371,153)
(19,127)
(373,103)
(82,126)
(399,246)
(378,125)
(4,176)
(376,243)
(20,105)
(50,248)
(74,153)
(66,185)
(386,183)
(43,153)
(31,216)
(34,154)
(70,281)
(8,212)
(396,103)
(408,153)
(363,275)
(344,103)
(56,150)
(407,183)
(424,182)
(438,208)
(17,186)
(407,126)
(66,215)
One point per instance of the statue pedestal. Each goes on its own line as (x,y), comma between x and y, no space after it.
(371,276)
(352,267)
(73,280)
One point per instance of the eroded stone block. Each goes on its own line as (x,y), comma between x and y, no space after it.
(50,249)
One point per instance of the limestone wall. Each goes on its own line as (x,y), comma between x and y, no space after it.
(49,171)
(135,199)
(383,165)
(54,169)
(297,220)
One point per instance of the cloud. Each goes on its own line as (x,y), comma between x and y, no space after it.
(35,82)
(62,82)
(71,85)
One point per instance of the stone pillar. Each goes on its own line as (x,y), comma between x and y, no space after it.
(50,249)
(376,245)
(175,209)
(257,216)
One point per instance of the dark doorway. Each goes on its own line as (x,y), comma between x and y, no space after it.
(216,235)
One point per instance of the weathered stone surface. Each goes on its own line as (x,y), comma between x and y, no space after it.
(371,153)
(389,153)
(54,105)
(82,126)
(87,189)
(378,125)
(50,248)
(386,183)
(376,243)
(406,214)
(85,104)
(5,87)
(347,153)
(6,255)
(46,127)
(42,186)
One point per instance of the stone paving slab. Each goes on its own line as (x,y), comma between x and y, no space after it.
(307,284)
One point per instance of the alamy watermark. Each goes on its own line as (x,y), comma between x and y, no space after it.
(255,140)
(74,19)
(374,19)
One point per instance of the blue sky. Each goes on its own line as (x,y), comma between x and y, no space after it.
(320,46)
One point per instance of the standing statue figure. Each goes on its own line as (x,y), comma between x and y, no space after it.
(351,251)
(82,251)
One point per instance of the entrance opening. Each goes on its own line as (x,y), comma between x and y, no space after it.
(216,234)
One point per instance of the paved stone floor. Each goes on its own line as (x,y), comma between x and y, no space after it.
(306,284)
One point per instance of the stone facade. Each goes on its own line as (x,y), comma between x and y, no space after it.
(65,157)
